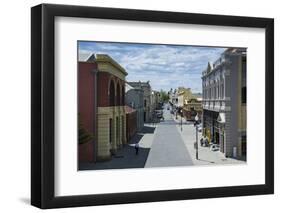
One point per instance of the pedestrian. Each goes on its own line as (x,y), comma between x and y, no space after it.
(137,148)
(206,141)
(201,141)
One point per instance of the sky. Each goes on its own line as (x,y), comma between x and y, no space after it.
(164,66)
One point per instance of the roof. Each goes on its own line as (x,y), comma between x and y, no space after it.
(96,58)
(83,57)
(129,110)
(139,84)
(229,51)
(128,87)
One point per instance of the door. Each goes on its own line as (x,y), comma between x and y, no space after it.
(217,138)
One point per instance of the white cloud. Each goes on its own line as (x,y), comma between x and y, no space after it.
(165,66)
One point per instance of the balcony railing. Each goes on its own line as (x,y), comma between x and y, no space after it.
(213,104)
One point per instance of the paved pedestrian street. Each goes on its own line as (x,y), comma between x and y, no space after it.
(168,143)
(168,148)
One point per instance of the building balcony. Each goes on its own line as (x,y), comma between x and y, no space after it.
(214,104)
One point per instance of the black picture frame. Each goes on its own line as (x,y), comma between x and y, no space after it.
(43,105)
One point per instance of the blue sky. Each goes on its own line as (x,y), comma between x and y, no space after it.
(165,66)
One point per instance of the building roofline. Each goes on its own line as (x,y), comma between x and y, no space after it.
(96,58)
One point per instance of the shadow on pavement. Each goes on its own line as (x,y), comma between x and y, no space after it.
(125,157)
(136,138)
(147,130)
(206,160)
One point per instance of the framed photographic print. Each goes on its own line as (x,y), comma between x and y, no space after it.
(139,106)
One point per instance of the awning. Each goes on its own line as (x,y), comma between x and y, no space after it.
(221,117)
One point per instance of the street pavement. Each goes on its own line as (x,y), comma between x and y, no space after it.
(168,148)
(163,144)
(205,155)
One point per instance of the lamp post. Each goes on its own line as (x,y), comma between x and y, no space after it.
(196,126)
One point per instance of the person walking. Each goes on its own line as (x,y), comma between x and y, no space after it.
(206,142)
(201,141)
(137,148)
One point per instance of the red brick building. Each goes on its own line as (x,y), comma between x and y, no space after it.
(101,94)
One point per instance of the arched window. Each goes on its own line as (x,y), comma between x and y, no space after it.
(118,95)
(111,94)
(123,95)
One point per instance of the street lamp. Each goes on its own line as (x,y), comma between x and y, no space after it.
(196,125)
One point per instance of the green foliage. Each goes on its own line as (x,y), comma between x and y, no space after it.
(83,135)
(164,97)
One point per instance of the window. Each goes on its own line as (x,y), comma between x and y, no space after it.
(110,130)
(144,103)
(217,91)
(117,130)
(118,95)
(244,71)
(123,95)
(111,94)
(222,91)
(244,145)
(244,95)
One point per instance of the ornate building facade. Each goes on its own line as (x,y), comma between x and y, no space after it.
(224,102)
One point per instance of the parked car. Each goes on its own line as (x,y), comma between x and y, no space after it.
(214,147)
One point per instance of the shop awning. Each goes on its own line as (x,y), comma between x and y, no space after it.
(221,117)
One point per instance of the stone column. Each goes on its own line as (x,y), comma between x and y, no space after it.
(103,152)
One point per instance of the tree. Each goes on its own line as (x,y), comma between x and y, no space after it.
(164,97)
(83,135)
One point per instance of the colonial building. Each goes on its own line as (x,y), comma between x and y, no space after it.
(192,107)
(188,104)
(224,102)
(155,100)
(134,99)
(101,94)
(145,86)
(183,95)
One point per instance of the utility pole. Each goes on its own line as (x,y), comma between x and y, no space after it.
(196,125)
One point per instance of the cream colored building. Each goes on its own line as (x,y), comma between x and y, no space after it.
(183,94)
